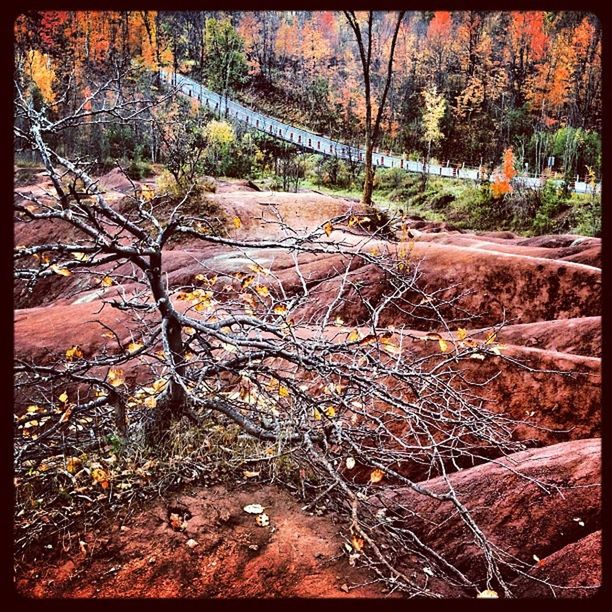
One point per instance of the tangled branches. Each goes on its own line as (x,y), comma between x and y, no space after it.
(255,339)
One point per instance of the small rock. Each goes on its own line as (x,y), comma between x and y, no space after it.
(253,546)
(151,560)
(192,543)
(124,528)
(344,588)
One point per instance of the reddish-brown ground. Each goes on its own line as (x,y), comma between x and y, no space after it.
(297,555)
(547,287)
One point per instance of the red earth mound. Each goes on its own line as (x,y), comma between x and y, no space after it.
(531,503)
(572,571)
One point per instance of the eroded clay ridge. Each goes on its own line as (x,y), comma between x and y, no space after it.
(547,290)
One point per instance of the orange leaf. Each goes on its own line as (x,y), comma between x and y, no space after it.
(376,476)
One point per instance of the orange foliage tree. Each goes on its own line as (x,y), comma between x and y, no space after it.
(502,179)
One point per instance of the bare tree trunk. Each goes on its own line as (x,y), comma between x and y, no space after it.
(372,129)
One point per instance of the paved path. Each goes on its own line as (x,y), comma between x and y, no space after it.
(318,143)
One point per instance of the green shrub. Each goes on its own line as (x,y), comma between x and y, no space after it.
(138,169)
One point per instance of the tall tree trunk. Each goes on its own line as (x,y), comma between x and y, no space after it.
(171,403)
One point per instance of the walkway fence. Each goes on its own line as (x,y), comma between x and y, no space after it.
(317,143)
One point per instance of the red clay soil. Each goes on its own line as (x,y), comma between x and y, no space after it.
(510,507)
(525,289)
(580,336)
(297,555)
(551,302)
(573,570)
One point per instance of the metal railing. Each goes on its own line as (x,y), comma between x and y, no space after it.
(318,143)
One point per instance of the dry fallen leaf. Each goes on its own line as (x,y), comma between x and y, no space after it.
(353,336)
(74,352)
(254,508)
(177,522)
(237,222)
(357,543)
(100,476)
(150,402)
(443,345)
(115,377)
(487,594)
(283,391)
(328,227)
(280,309)
(248,474)
(134,346)
(63,397)
(376,476)
(61,271)
(73,464)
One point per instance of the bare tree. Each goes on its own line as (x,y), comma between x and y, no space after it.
(246,348)
(372,124)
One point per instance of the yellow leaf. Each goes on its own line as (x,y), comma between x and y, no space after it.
(150,402)
(491,336)
(101,477)
(73,464)
(316,414)
(63,397)
(461,333)
(32,409)
(61,271)
(328,228)
(107,281)
(80,256)
(134,346)
(443,345)
(283,391)
(376,476)
(338,321)
(74,352)
(237,222)
(262,290)
(353,336)
(357,543)
(247,281)
(375,251)
(159,384)
(280,309)
(258,269)
(115,377)
(487,594)
(189,331)
(200,277)
(330,411)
